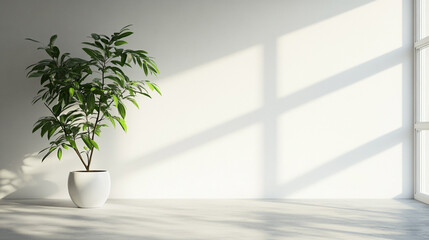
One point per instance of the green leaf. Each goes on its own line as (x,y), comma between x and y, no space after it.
(64,56)
(123,59)
(52,40)
(52,131)
(126,27)
(152,70)
(116,70)
(95,36)
(115,100)
(57,109)
(59,153)
(45,129)
(150,85)
(79,96)
(91,103)
(38,67)
(112,121)
(122,123)
(47,154)
(39,125)
(119,43)
(76,84)
(94,144)
(117,80)
(43,150)
(93,53)
(71,92)
(44,78)
(35,74)
(87,141)
(125,34)
(56,51)
(153,65)
(156,89)
(121,110)
(145,68)
(90,44)
(89,52)
(29,39)
(139,61)
(98,44)
(134,102)
(63,118)
(73,143)
(49,52)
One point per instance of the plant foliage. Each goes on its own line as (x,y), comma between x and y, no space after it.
(84,95)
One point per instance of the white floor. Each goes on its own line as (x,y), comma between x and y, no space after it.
(215,219)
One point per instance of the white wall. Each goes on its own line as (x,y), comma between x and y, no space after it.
(262,99)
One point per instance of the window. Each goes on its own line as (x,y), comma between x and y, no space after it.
(421,103)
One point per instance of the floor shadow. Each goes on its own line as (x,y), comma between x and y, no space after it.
(337,219)
(217,219)
(56,203)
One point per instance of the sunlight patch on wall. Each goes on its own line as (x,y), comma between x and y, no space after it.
(363,179)
(205,171)
(314,134)
(332,46)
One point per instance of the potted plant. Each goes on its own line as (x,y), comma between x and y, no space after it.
(82,96)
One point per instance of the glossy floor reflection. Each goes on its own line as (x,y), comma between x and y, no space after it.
(216,219)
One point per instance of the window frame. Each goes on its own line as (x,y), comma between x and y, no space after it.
(420,43)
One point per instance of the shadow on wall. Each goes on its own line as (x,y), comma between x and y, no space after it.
(239,33)
(221,31)
(16,183)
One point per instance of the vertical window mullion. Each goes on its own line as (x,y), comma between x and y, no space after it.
(421,102)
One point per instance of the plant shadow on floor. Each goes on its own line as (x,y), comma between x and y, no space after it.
(215,219)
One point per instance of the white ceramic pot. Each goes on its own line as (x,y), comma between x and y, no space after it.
(89,189)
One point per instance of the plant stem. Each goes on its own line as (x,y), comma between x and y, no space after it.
(98,113)
(81,158)
(65,133)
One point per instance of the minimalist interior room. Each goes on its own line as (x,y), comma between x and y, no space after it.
(200,119)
